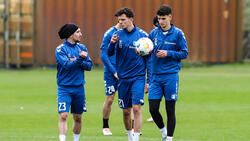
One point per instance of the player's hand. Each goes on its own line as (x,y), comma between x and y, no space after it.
(116,76)
(161,53)
(83,54)
(114,38)
(146,88)
(72,59)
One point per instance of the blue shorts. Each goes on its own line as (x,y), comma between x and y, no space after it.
(166,85)
(71,96)
(131,91)
(110,83)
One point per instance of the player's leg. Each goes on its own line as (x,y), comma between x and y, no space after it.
(77,126)
(171,120)
(154,97)
(106,109)
(62,125)
(137,121)
(127,118)
(63,101)
(171,96)
(110,89)
(125,103)
(137,90)
(127,123)
(77,108)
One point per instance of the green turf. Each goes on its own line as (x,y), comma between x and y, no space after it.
(213,105)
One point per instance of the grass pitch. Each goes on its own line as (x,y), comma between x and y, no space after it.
(213,105)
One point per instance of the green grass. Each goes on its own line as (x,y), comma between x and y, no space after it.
(213,105)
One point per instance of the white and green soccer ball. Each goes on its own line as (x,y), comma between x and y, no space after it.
(144,46)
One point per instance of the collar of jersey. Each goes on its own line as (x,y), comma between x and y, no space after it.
(69,44)
(133,30)
(170,31)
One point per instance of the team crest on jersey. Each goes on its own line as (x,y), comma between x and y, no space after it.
(120,43)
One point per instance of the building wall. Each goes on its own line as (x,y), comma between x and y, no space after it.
(213,28)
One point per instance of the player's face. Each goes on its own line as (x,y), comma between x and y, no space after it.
(77,36)
(164,21)
(124,21)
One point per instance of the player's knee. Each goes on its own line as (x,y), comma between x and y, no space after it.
(110,101)
(136,110)
(126,113)
(153,110)
(64,116)
(77,118)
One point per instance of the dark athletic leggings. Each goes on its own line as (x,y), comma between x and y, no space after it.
(154,106)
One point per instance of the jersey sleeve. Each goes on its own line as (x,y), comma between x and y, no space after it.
(61,57)
(104,54)
(111,47)
(182,44)
(86,63)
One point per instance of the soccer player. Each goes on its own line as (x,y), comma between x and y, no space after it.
(170,47)
(72,60)
(110,78)
(131,70)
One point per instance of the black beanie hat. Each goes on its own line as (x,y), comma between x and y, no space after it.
(67,30)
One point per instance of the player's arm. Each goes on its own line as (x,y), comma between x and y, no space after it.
(86,63)
(61,57)
(104,55)
(111,47)
(182,44)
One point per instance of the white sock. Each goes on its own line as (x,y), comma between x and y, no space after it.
(169,138)
(163,131)
(62,137)
(130,135)
(136,136)
(76,137)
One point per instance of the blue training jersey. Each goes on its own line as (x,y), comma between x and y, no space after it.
(108,61)
(128,63)
(71,72)
(175,43)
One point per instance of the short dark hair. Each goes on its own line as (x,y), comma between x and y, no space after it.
(155,21)
(164,10)
(127,11)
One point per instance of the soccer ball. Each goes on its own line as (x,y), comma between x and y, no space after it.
(144,46)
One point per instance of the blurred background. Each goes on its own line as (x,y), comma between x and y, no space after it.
(217,31)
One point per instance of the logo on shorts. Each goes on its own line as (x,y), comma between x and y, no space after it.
(173,96)
(120,102)
(84,109)
(141,101)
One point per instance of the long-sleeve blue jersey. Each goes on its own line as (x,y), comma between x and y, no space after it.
(174,42)
(70,72)
(128,63)
(108,61)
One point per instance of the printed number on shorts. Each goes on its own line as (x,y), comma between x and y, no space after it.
(120,102)
(110,89)
(62,106)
